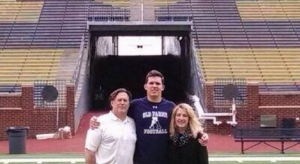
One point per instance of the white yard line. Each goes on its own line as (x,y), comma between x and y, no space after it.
(240,159)
(41,160)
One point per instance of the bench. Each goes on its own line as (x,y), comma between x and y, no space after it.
(265,135)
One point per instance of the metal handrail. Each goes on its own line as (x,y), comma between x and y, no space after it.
(107,14)
(62,24)
(197,75)
(76,74)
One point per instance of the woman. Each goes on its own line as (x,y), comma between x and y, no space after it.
(185,129)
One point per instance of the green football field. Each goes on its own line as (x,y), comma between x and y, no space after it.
(258,162)
(292,158)
(210,163)
(281,162)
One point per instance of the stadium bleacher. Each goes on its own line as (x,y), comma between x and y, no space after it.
(221,24)
(243,39)
(264,65)
(269,10)
(119,3)
(256,40)
(230,33)
(18,11)
(27,65)
(159,3)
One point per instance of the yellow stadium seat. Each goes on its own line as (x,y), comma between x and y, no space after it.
(260,64)
(29,64)
(15,11)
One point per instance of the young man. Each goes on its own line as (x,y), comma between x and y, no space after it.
(114,141)
(152,116)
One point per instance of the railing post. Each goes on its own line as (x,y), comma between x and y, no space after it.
(242,146)
(282,147)
(242,143)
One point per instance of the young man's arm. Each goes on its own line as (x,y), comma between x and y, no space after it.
(204,139)
(90,157)
(94,124)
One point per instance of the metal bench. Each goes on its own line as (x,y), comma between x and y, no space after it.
(261,135)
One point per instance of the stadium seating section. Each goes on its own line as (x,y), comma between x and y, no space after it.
(253,39)
(261,64)
(120,3)
(257,40)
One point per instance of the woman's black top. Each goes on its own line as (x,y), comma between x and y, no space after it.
(190,153)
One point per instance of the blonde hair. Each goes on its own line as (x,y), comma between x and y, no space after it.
(193,123)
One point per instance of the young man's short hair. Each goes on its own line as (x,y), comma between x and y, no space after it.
(155,73)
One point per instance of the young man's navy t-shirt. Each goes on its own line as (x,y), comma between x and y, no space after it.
(152,127)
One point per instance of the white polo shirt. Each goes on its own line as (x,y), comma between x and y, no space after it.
(114,141)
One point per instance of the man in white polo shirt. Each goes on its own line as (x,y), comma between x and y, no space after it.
(114,141)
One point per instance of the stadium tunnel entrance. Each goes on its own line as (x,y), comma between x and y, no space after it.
(113,66)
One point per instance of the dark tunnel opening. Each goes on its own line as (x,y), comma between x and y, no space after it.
(112,72)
